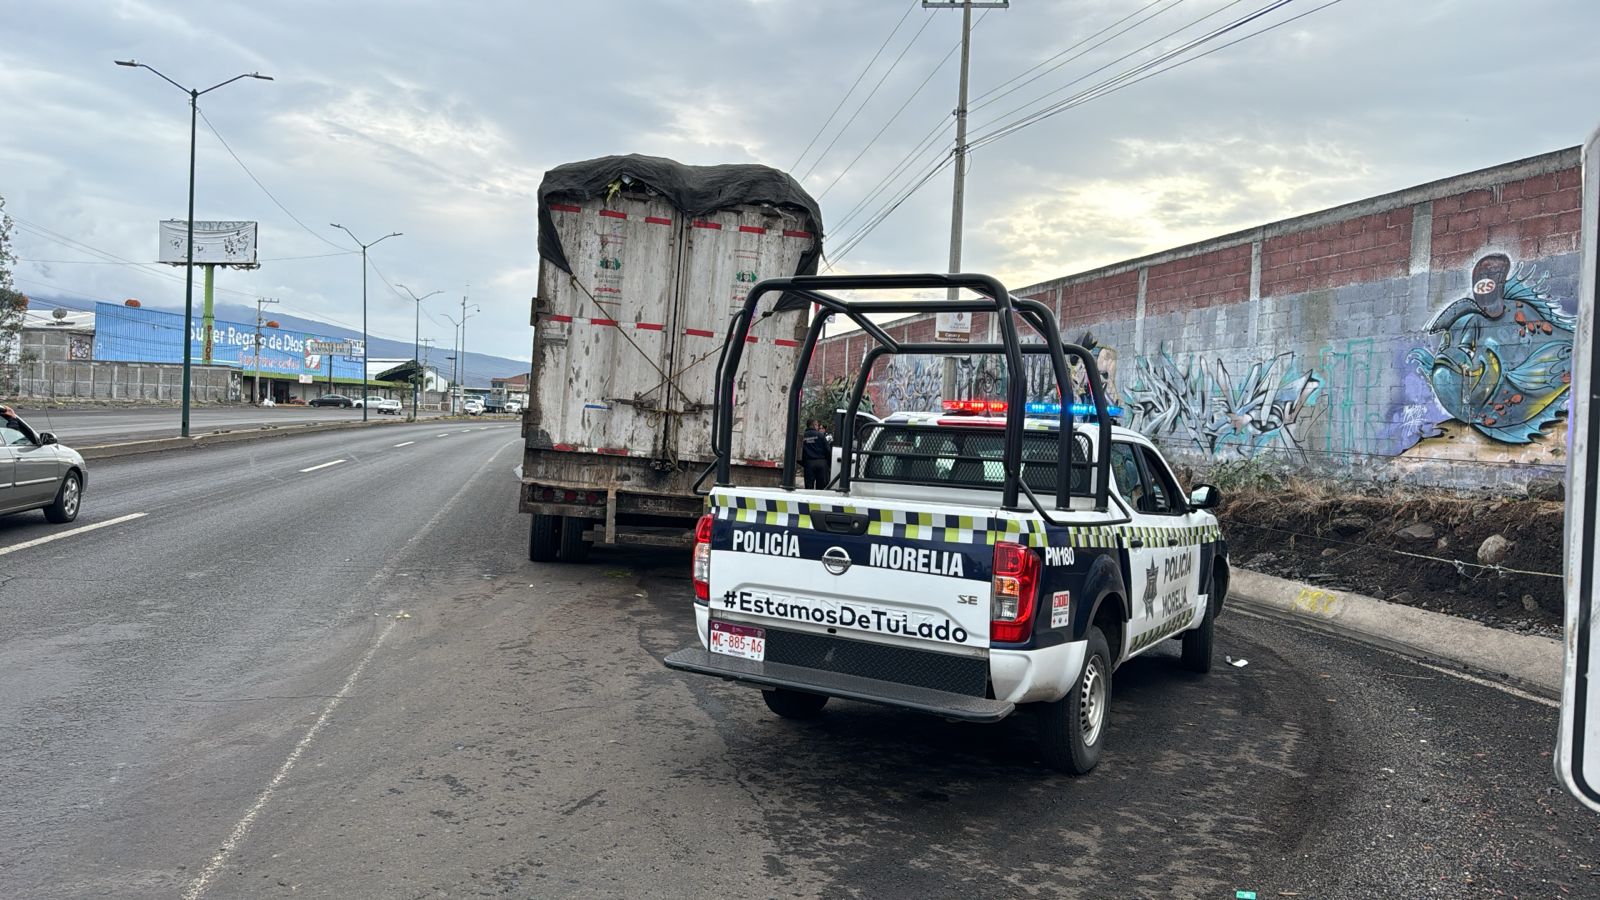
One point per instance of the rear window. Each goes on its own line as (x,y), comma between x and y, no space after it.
(966,457)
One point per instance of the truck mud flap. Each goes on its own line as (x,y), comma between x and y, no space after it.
(834,684)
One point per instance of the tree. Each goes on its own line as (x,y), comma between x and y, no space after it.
(13,306)
(822,401)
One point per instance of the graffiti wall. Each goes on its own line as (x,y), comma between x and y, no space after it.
(1422,336)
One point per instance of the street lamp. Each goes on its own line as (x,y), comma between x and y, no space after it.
(363,308)
(188,282)
(416,341)
(460,368)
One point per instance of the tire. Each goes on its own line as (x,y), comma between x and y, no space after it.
(1072,730)
(1197,644)
(570,546)
(797,705)
(543,533)
(68,498)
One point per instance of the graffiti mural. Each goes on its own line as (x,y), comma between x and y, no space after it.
(1502,363)
(1203,402)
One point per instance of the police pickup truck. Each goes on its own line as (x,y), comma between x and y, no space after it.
(957,566)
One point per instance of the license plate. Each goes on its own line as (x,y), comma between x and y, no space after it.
(745,641)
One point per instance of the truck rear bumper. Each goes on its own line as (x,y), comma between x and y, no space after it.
(849,687)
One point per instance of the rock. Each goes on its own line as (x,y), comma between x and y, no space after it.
(1402,597)
(1494,550)
(1551,489)
(1443,544)
(1530,604)
(1262,560)
(1329,552)
(1345,526)
(1421,531)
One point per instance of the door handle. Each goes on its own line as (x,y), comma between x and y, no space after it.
(1172,542)
(1135,543)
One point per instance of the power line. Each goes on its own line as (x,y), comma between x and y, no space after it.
(870,94)
(263,187)
(891,120)
(853,86)
(904,165)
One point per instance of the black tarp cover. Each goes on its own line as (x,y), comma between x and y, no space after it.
(693,190)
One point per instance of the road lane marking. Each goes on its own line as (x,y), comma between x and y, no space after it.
(62,534)
(240,830)
(198,886)
(322,466)
(1503,688)
(445,434)
(405,444)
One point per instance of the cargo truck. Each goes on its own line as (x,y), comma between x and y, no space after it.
(643,262)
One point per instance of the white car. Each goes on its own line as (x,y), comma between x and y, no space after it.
(472,406)
(384,405)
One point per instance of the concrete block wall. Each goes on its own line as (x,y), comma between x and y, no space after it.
(44,379)
(1422,336)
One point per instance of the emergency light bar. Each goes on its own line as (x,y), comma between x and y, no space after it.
(1077,409)
(975,406)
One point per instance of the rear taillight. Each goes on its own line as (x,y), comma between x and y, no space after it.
(702,558)
(1016,585)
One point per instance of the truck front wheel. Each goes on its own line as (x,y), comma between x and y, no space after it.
(1072,729)
(794,704)
(542,537)
(1197,643)
(572,548)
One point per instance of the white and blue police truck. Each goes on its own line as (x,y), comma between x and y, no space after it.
(967,562)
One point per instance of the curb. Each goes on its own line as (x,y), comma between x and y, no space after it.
(160,445)
(1526,661)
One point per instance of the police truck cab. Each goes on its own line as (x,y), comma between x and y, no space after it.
(967,562)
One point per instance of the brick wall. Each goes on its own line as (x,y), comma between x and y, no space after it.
(1322,340)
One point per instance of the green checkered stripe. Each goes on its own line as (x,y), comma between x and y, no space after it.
(1163,631)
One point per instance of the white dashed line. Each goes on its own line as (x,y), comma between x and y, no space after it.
(405,444)
(443,434)
(64,534)
(323,466)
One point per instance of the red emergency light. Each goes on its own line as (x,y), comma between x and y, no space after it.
(975,407)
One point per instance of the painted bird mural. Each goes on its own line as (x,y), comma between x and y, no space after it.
(1503,363)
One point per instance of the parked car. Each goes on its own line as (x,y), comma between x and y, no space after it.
(472,406)
(337,400)
(384,405)
(48,475)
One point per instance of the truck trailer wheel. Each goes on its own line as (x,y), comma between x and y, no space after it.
(571,547)
(1072,730)
(542,537)
(794,704)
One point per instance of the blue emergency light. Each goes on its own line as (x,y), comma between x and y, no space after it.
(1077,409)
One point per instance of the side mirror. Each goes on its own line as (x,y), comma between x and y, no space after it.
(46,437)
(1204,496)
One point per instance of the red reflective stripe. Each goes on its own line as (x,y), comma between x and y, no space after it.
(658,220)
(602,321)
(611,451)
(785,342)
(613,214)
(649,326)
(764,463)
(699,332)
(715,225)
(788,233)
(752,229)
(564,448)
(751,339)
(555,318)
(562,207)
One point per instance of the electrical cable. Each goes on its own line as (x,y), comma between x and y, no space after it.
(276,202)
(865,69)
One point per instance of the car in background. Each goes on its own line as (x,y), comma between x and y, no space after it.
(335,400)
(472,406)
(513,406)
(384,405)
(46,474)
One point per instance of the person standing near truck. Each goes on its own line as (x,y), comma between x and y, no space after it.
(815,453)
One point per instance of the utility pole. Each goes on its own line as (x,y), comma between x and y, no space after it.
(427,369)
(256,395)
(364,396)
(958,200)
(416,339)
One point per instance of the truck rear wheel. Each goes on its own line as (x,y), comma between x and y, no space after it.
(542,537)
(1072,729)
(571,547)
(794,704)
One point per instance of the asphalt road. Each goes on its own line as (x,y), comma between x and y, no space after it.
(349,682)
(84,427)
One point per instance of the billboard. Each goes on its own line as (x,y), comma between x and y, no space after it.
(215,243)
(131,334)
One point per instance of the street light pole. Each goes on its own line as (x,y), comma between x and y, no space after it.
(416,341)
(364,397)
(255,399)
(188,281)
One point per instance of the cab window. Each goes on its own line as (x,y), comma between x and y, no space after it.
(1125,471)
(1163,496)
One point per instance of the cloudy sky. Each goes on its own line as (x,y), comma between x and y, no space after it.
(438,119)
